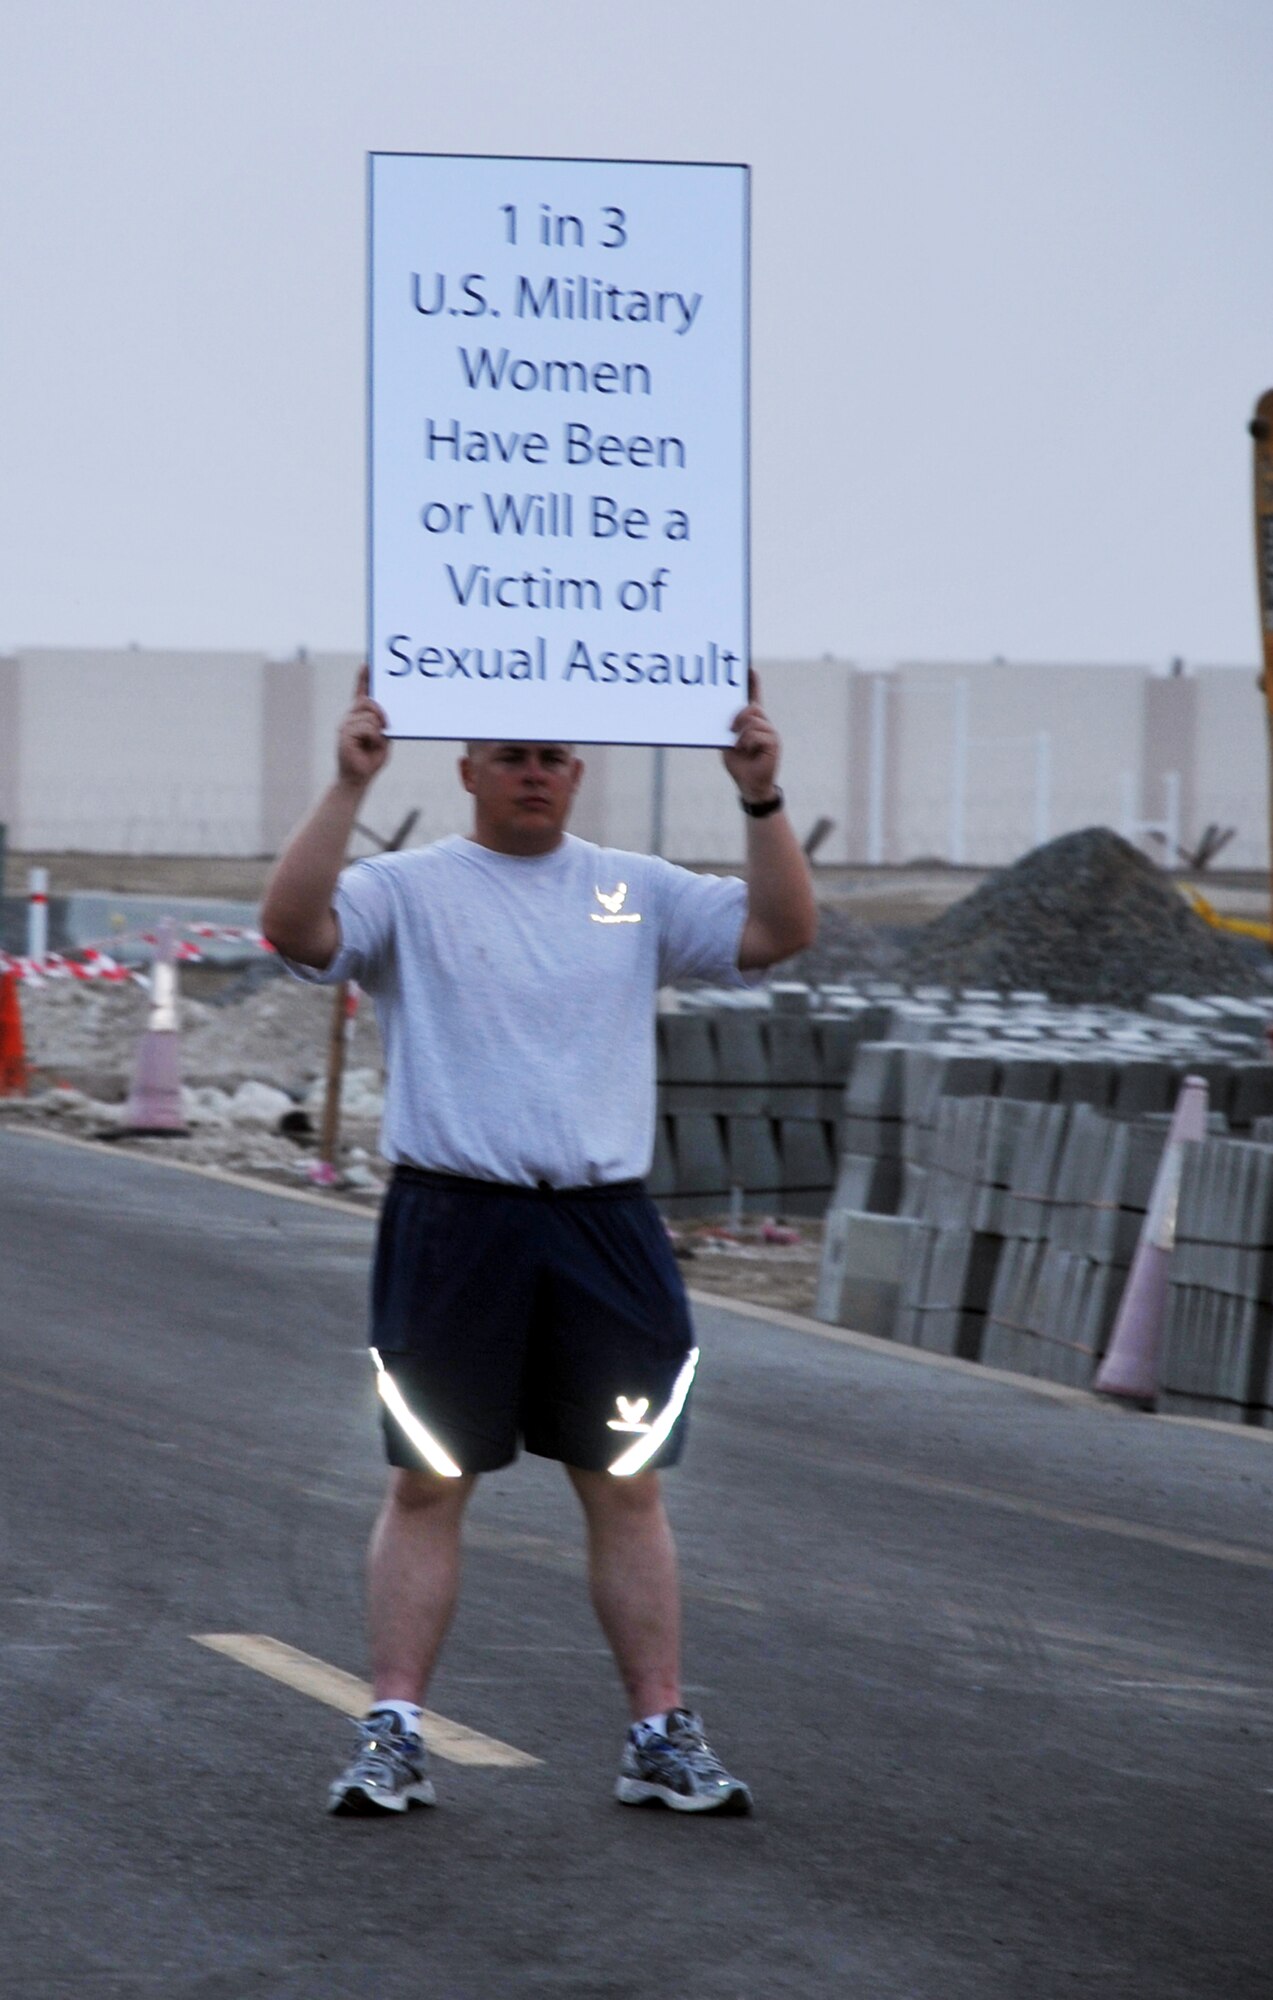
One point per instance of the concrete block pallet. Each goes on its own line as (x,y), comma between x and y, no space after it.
(752,1100)
(1219,1329)
(985,1165)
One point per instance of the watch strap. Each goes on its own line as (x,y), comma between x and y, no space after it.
(762,809)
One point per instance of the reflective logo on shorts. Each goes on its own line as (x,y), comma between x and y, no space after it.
(631,1415)
(657,1433)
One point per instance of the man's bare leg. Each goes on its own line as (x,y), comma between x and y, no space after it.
(413,1579)
(632,1568)
(635,1588)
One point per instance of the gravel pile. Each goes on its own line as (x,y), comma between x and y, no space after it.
(846,949)
(1087,918)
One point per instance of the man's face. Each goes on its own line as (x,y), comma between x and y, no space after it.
(522,793)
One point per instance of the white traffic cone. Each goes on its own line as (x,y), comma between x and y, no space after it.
(1130,1367)
(154,1103)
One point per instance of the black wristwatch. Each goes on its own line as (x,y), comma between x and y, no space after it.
(766,806)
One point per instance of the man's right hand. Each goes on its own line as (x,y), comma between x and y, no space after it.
(297,915)
(362,747)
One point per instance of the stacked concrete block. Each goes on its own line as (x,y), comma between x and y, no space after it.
(803,1106)
(661,1179)
(1240,1017)
(751,1100)
(1252,1094)
(1144,1084)
(689,1078)
(1020,1143)
(959,1273)
(932,1074)
(1086,1079)
(865,1260)
(1104,1180)
(744,1071)
(944,1302)
(1219,1331)
(1032,1169)
(1079,1186)
(870,1164)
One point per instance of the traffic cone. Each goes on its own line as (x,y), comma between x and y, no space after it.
(1130,1367)
(13,1056)
(154,1104)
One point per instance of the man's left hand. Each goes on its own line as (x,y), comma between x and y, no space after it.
(753,761)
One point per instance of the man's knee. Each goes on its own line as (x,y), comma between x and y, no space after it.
(637,1498)
(422,1492)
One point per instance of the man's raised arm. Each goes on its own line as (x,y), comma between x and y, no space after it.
(296,914)
(782,916)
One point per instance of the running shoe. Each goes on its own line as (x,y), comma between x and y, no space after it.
(389,1772)
(678,1769)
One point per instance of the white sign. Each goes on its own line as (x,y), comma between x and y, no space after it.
(558,447)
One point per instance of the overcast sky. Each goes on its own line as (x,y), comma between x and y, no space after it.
(1012,301)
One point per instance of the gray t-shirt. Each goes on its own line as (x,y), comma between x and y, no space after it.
(515,998)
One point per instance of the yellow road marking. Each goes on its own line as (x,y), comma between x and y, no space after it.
(353,1697)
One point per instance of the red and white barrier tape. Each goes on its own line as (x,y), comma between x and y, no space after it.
(90,962)
(89,965)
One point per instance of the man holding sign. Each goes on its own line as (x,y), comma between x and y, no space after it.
(524,1291)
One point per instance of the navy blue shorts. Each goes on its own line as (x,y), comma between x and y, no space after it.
(556,1318)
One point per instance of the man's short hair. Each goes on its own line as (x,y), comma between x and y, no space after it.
(481,743)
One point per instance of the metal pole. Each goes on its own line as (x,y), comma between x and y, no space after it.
(959,775)
(38,915)
(875,769)
(1171,815)
(1261,429)
(658,798)
(1042,786)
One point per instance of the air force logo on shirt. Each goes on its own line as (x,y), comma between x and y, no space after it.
(612,910)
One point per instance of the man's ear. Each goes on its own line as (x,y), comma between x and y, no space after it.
(465,769)
(577,780)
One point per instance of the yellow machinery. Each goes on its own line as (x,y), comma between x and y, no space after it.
(1261,429)
(1235,926)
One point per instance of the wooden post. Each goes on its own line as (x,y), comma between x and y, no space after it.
(338,1035)
(1261,428)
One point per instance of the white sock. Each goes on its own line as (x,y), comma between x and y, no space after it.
(658,1723)
(406,1711)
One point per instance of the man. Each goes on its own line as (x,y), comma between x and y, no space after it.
(524,1290)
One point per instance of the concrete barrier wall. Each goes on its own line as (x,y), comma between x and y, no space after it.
(220,753)
(139,752)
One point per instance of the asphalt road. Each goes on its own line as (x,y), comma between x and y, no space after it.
(997,1665)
